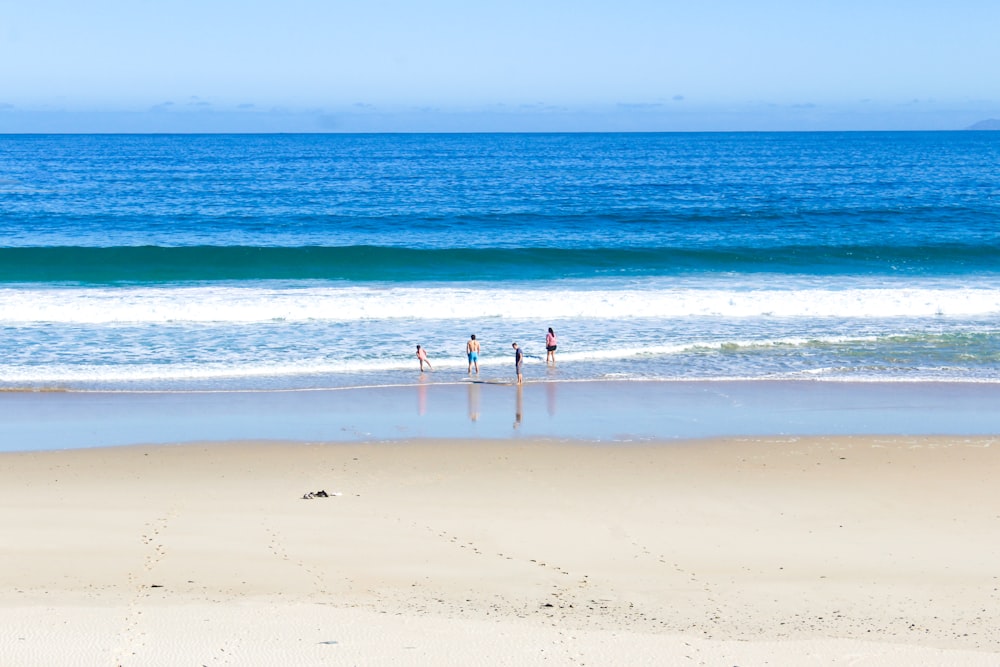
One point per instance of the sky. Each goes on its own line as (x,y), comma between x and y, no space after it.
(540,65)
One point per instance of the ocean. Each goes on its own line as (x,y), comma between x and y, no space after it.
(256,262)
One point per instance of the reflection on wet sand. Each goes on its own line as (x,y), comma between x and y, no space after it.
(473,401)
(550,397)
(422,396)
(519,406)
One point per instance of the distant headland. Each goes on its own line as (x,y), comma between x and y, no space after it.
(989,124)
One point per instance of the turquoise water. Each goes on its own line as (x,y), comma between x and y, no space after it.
(317,261)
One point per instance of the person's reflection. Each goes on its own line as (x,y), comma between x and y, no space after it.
(473,401)
(550,396)
(422,396)
(519,406)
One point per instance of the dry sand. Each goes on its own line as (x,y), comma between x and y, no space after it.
(819,551)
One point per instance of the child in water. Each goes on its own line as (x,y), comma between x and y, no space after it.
(422,358)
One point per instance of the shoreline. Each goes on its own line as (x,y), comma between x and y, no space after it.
(605,411)
(463,380)
(806,551)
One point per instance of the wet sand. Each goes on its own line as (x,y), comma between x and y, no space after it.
(874,550)
(595,411)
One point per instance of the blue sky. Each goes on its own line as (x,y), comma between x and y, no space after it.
(437,65)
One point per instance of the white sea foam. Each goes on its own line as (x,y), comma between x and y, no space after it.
(214,304)
(321,335)
(128,367)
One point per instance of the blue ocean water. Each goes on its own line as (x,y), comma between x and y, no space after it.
(152,262)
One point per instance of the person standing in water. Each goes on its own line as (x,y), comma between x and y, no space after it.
(518,360)
(550,346)
(472,350)
(422,358)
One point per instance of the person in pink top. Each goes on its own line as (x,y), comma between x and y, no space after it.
(550,346)
(422,358)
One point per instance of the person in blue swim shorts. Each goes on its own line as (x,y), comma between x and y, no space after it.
(472,349)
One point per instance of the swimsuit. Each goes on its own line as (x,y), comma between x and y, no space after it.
(473,356)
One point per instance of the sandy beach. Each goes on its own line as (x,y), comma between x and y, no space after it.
(737,551)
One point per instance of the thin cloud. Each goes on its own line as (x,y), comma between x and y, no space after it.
(640,106)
